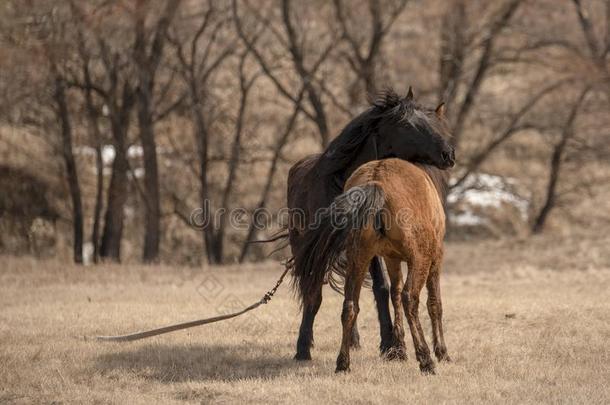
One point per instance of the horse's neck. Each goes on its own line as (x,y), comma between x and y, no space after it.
(439,178)
(322,184)
(328,163)
(325,178)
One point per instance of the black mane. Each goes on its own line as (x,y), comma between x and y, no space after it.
(387,106)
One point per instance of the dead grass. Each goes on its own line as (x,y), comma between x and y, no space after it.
(516,335)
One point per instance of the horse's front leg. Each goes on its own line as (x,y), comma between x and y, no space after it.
(305,340)
(381,293)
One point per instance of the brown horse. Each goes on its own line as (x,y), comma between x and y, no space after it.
(391,209)
(392,127)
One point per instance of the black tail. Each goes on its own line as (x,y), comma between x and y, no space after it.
(322,249)
(282,234)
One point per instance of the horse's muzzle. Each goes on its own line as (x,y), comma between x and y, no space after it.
(448,158)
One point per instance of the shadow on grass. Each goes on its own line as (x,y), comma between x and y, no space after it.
(168,363)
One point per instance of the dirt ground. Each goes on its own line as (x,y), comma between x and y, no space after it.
(518,333)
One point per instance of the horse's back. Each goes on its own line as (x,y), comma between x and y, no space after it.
(400,179)
(297,176)
(299,196)
(412,199)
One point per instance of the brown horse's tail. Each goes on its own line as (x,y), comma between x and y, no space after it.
(321,252)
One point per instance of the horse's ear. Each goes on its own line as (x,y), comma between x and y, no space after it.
(409,96)
(441,110)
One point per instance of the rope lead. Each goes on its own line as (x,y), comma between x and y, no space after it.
(172,328)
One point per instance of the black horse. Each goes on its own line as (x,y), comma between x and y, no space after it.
(392,127)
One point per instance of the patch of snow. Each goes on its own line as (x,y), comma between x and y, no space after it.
(466,218)
(87,253)
(84,150)
(108,154)
(138,172)
(486,190)
(135,151)
(128,212)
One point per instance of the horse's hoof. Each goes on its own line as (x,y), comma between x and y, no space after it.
(395,353)
(355,341)
(342,364)
(302,356)
(342,370)
(427,368)
(384,349)
(442,356)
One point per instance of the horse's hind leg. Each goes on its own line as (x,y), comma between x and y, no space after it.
(305,340)
(435,310)
(416,278)
(398,349)
(381,292)
(355,339)
(353,284)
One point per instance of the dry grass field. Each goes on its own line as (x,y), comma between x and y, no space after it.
(517,333)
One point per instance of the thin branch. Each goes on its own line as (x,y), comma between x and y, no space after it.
(264,65)
(587,29)
(512,128)
(484,63)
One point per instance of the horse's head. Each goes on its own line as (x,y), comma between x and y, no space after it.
(408,131)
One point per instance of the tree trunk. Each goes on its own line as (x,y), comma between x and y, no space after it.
(147,63)
(551,192)
(110,248)
(555,165)
(208,234)
(99,202)
(96,136)
(71,170)
(252,230)
(151,179)
(96,139)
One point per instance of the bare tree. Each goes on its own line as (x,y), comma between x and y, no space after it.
(119,98)
(93,115)
(364,51)
(515,125)
(598,49)
(277,151)
(454,43)
(295,46)
(63,116)
(245,86)
(203,56)
(556,161)
(51,38)
(147,57)
(452,60)
(456,46)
